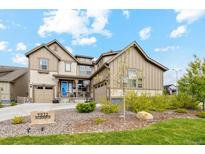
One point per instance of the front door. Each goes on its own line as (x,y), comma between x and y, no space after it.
(64,88)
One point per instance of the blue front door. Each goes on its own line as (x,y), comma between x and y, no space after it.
(64,88)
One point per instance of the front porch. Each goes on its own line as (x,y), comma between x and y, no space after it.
(73,88)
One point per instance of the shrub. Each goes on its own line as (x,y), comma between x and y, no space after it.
(1,104)
(201,114)
(13,103)
(186,101)
(17,120)
(110,108)
(86,107)
(136,103)
(181,111)
(99,120)
(159,103)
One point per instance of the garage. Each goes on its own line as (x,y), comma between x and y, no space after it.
(43,94)
(100,92)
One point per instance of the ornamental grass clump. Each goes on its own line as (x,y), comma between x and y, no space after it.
(86,107)
(98,121)
(108,107)
(13,103)
(201,114)
(1,104)
(181,111)
(17,120)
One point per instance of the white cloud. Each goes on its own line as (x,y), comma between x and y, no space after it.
(69,49)
(84,41)
(145,33)
(100,19)
(189,16)
(167,48)
(20,59)
(3,46)
(78,23)
(21,46)
(178,32)
(2,26)
(126,13)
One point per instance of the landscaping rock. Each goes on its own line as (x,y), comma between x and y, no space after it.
(144,115)
(69,121)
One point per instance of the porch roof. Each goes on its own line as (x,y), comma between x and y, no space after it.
(72,77)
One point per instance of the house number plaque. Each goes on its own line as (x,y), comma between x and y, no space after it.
(42,117)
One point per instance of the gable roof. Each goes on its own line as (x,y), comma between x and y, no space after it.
(83,56)
(39,47)
(135,44)
(13,74)
(109,53)
(57,42)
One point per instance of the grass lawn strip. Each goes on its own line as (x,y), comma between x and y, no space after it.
(175,131)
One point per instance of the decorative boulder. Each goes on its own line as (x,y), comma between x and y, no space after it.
(144,115)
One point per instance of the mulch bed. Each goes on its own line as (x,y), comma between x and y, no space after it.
(71,122)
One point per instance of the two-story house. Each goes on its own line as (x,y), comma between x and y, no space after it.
(55,73)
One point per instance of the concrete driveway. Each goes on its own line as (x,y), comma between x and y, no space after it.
(26,109)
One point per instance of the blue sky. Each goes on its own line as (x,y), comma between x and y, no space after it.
(171,37)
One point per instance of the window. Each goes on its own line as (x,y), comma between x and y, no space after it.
(67,67)
(132,73)
(132,83)
(139,84)
(43,64)
(132,78)
(85,70)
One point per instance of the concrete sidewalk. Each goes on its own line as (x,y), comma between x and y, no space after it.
(26,109)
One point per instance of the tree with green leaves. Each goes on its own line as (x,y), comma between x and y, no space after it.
(193,82)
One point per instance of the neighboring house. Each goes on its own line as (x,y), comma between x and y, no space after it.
(170,89)
(13,83)
(55,73)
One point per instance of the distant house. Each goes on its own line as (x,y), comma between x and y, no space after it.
(55,73)
(170,89)
(13,83)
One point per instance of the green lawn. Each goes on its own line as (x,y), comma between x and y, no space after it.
(177,131)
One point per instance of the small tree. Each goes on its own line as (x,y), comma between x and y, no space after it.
(193,82)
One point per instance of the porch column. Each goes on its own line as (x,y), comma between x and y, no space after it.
(76,87)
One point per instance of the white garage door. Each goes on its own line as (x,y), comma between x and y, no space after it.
(100,93)
(43,94)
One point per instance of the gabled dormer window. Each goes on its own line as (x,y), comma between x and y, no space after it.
(43,64)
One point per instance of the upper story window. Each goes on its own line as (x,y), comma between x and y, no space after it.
(68,67)
(134,79)
(43,64)
(85,70)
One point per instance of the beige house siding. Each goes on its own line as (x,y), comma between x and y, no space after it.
(43,53)
(20,87)
(100,78)
(5,91)
(61,53)
(62,68)
(41,79)
(152,75)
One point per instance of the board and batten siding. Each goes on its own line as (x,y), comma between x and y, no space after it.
(43,53)
(151,74)
(5,91)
